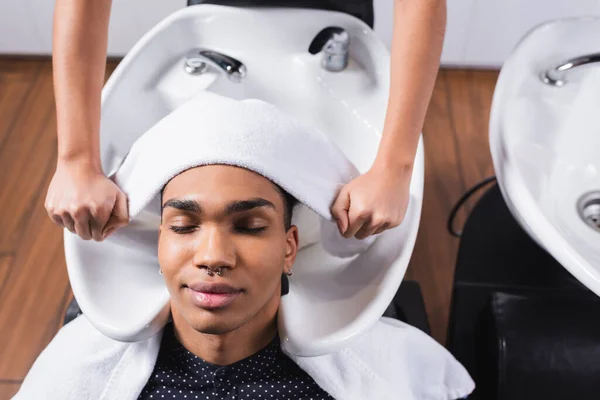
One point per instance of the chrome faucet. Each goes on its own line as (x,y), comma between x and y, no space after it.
(198,60)
(333,42)
(556,75)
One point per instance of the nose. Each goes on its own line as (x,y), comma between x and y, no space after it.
(214,249)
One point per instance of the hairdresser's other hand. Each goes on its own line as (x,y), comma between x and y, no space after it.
(83,200)
(372,203)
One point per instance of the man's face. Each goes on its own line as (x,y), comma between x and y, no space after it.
(229,218)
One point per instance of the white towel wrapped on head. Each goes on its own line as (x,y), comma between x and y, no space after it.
(211,129)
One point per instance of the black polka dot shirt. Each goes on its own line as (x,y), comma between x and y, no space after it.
(266,375)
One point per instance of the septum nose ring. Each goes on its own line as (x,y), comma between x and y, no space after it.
(210,272)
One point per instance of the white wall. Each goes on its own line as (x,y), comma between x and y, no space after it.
(26,25)
(482,33)
(17,33)
(479,33)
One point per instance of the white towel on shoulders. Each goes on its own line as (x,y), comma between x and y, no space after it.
(391,361)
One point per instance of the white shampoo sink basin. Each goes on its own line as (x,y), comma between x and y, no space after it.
(331,300)
(545,141)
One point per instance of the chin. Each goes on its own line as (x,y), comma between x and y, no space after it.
(213,329)
(212,323)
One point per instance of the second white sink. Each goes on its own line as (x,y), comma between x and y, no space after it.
(545,142)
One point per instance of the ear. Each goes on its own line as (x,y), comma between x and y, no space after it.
(291,248)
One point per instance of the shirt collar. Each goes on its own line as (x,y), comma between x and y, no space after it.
(196,366)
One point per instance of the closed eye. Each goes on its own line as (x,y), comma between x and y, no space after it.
(251,231)
(182,230)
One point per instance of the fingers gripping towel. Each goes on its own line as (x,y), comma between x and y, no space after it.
(212,129)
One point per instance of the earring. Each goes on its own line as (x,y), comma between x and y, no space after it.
(285,285)
(289,273)
(160,271)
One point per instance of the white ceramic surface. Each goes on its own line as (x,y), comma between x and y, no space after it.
(332,300)
(544,142)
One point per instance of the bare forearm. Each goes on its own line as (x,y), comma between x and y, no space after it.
(418,35)
(79,61)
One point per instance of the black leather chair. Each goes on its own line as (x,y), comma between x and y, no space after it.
(538,346)
(519,322)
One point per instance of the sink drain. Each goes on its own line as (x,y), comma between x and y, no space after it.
(589,209)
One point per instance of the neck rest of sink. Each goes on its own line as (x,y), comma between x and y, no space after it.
(339,288)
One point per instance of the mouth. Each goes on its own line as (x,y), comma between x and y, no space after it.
(211,296)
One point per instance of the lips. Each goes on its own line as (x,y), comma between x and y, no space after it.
(211,296)
(220,288)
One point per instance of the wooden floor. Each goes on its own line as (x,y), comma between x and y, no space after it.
(34,288)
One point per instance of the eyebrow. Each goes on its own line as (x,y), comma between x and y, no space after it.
(246,205)
(234,207)
(183,205)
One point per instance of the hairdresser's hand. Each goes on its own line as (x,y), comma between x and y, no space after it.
(83,200)
(372,203)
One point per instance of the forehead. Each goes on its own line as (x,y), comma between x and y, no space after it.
(222,182)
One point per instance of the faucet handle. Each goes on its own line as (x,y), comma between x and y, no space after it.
(338,43)
(334,43)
